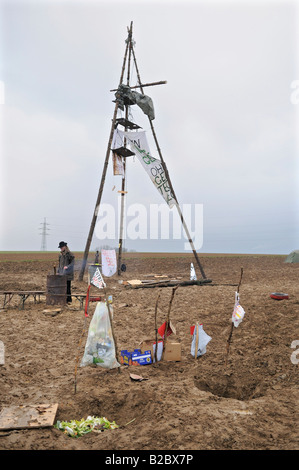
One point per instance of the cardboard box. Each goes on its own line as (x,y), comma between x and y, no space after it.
(126,357)
(141,358)
(172,350)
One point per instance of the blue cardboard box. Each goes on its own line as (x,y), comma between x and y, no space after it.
(126,357)
(139,358)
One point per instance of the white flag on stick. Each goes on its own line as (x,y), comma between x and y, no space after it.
(108,262)
(97,279)
(239,312)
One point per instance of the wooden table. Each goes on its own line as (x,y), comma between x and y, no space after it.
(24,295)
(8,295)
(82,297)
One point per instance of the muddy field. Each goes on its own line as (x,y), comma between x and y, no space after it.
(194,404)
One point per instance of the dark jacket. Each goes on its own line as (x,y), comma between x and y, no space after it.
(67,259)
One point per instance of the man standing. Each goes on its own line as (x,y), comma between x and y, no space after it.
(66,267)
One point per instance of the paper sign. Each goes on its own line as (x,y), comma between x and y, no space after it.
(97,279)
(109,264)
(118,166)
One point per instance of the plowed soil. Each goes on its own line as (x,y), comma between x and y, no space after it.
(193,404)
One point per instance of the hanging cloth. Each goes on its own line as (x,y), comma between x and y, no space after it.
(125,95)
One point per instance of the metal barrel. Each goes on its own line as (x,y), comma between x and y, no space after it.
(56,290)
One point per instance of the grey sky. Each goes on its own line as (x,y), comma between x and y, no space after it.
(225,121)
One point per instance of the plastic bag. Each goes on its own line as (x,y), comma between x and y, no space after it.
(100,347)
(202,339)
(193,276)
(238,313)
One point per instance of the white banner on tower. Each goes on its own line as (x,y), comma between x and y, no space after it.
(153,166)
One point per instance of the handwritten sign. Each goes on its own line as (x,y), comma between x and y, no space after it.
(108,262)
(118,166)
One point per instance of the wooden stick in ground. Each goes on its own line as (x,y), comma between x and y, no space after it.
(82,334)
(228,342)
(232,325)
(77,358)
(156,329)
(239,285)
(196,339)
(168,318)
(112,328)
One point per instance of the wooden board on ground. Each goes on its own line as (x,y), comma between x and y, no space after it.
(52,312)
(134,282)
(28,416)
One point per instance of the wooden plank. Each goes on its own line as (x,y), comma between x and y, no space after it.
(166,283)
(21,292)
(52,312)
(28,416)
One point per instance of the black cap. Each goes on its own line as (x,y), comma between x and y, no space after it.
(61,244)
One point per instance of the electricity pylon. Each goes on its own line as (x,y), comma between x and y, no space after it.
(44,234)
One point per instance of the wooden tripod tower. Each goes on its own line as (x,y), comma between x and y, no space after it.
(128,57)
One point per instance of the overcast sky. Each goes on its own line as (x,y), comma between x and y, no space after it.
(226,121)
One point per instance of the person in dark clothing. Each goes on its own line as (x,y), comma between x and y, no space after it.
(97,258)
(66,267)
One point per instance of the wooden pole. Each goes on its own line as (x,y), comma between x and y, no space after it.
(77,358)
(145,84)
(150,285)
(232,325)
(95,213)
(196,339)
(121,229)
(156,329)
(112,328)
(168,319)
(80,340)
(169,181)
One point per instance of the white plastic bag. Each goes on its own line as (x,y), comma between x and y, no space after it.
(193,276)
(100,348)
(201,338)
(238,313)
